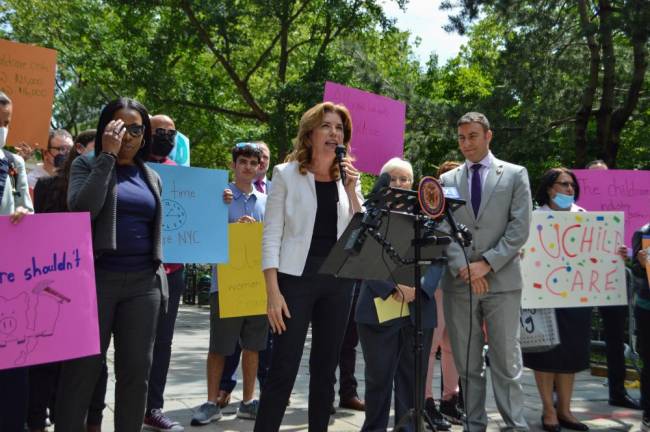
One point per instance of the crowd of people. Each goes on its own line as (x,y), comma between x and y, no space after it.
(470,305)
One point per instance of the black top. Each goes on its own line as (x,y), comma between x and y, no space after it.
(136,210)
(50,195)
(324,235)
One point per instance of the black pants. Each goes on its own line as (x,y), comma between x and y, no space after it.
(128,307)
(323,301)
(390,365)
(162,349)
(614,320)
(347,362)
(643,348)
(43,381)
(13,399)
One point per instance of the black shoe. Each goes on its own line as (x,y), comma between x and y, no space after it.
(573,425)
(625,401)
(451,411)
(551,427)
(438,421)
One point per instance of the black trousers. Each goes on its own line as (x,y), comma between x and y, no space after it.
(128,307)
(643,348)
(323,301)
(347,362)
(390,365)
(13,399)
(614,320)
(162,349)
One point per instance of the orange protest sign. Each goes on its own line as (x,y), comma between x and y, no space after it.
(27,75)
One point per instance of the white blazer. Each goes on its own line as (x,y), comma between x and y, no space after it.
(290,215)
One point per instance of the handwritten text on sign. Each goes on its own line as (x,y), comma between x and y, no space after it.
(617,190)
(48,305)
(195,218)
(27,75)
(570,260)
(241,282)
(378,125)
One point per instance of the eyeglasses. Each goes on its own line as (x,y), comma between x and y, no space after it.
(566,184)
(60,150)
(135,130)
(400,179)
(170,133)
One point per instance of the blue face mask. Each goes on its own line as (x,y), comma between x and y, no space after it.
(90,154)
(563,201)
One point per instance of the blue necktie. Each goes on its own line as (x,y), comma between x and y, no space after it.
(476,188)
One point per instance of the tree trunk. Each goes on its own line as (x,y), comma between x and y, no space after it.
(586,104)
(604,115)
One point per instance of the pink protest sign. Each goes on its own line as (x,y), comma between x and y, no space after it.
(48,303)
(617,190)
(377,125)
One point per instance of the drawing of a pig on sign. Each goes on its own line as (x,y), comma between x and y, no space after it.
(27,317)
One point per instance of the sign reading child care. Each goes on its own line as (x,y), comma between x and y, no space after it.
(195,218)
(570,260)
(48,303)
(378,125)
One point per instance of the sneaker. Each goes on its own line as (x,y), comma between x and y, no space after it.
(451,412)
(439,423)
(248,411)
(645,424)
(208,412)
(159,422)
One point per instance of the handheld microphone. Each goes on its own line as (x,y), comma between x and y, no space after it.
(340,154)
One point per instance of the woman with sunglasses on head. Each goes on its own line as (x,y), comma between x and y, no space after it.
(307,210)
(123,197)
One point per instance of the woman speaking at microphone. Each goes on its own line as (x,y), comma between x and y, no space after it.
(307,210)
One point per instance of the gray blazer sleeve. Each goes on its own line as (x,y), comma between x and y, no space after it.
(89,182)
(518,227)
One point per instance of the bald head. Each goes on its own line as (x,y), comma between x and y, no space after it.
(162,121)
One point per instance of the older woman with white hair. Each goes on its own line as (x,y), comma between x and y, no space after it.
(388,345)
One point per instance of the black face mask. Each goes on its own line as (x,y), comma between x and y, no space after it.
(59,160)
(162,145)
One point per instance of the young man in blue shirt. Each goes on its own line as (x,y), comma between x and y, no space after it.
(251,332)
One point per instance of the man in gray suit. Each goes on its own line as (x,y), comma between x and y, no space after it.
(498,214)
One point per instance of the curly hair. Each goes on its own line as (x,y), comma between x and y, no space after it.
(310,120)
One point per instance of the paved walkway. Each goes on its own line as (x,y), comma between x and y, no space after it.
(186,390)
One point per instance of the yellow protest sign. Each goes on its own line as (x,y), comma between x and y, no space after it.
(27,75)
(390,309)
(241,283)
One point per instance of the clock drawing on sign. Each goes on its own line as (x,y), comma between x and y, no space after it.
(175,215)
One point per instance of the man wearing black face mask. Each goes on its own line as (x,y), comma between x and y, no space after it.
(59,143)
(164,138)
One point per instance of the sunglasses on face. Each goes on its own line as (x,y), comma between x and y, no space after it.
(135,130)
(170,133)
